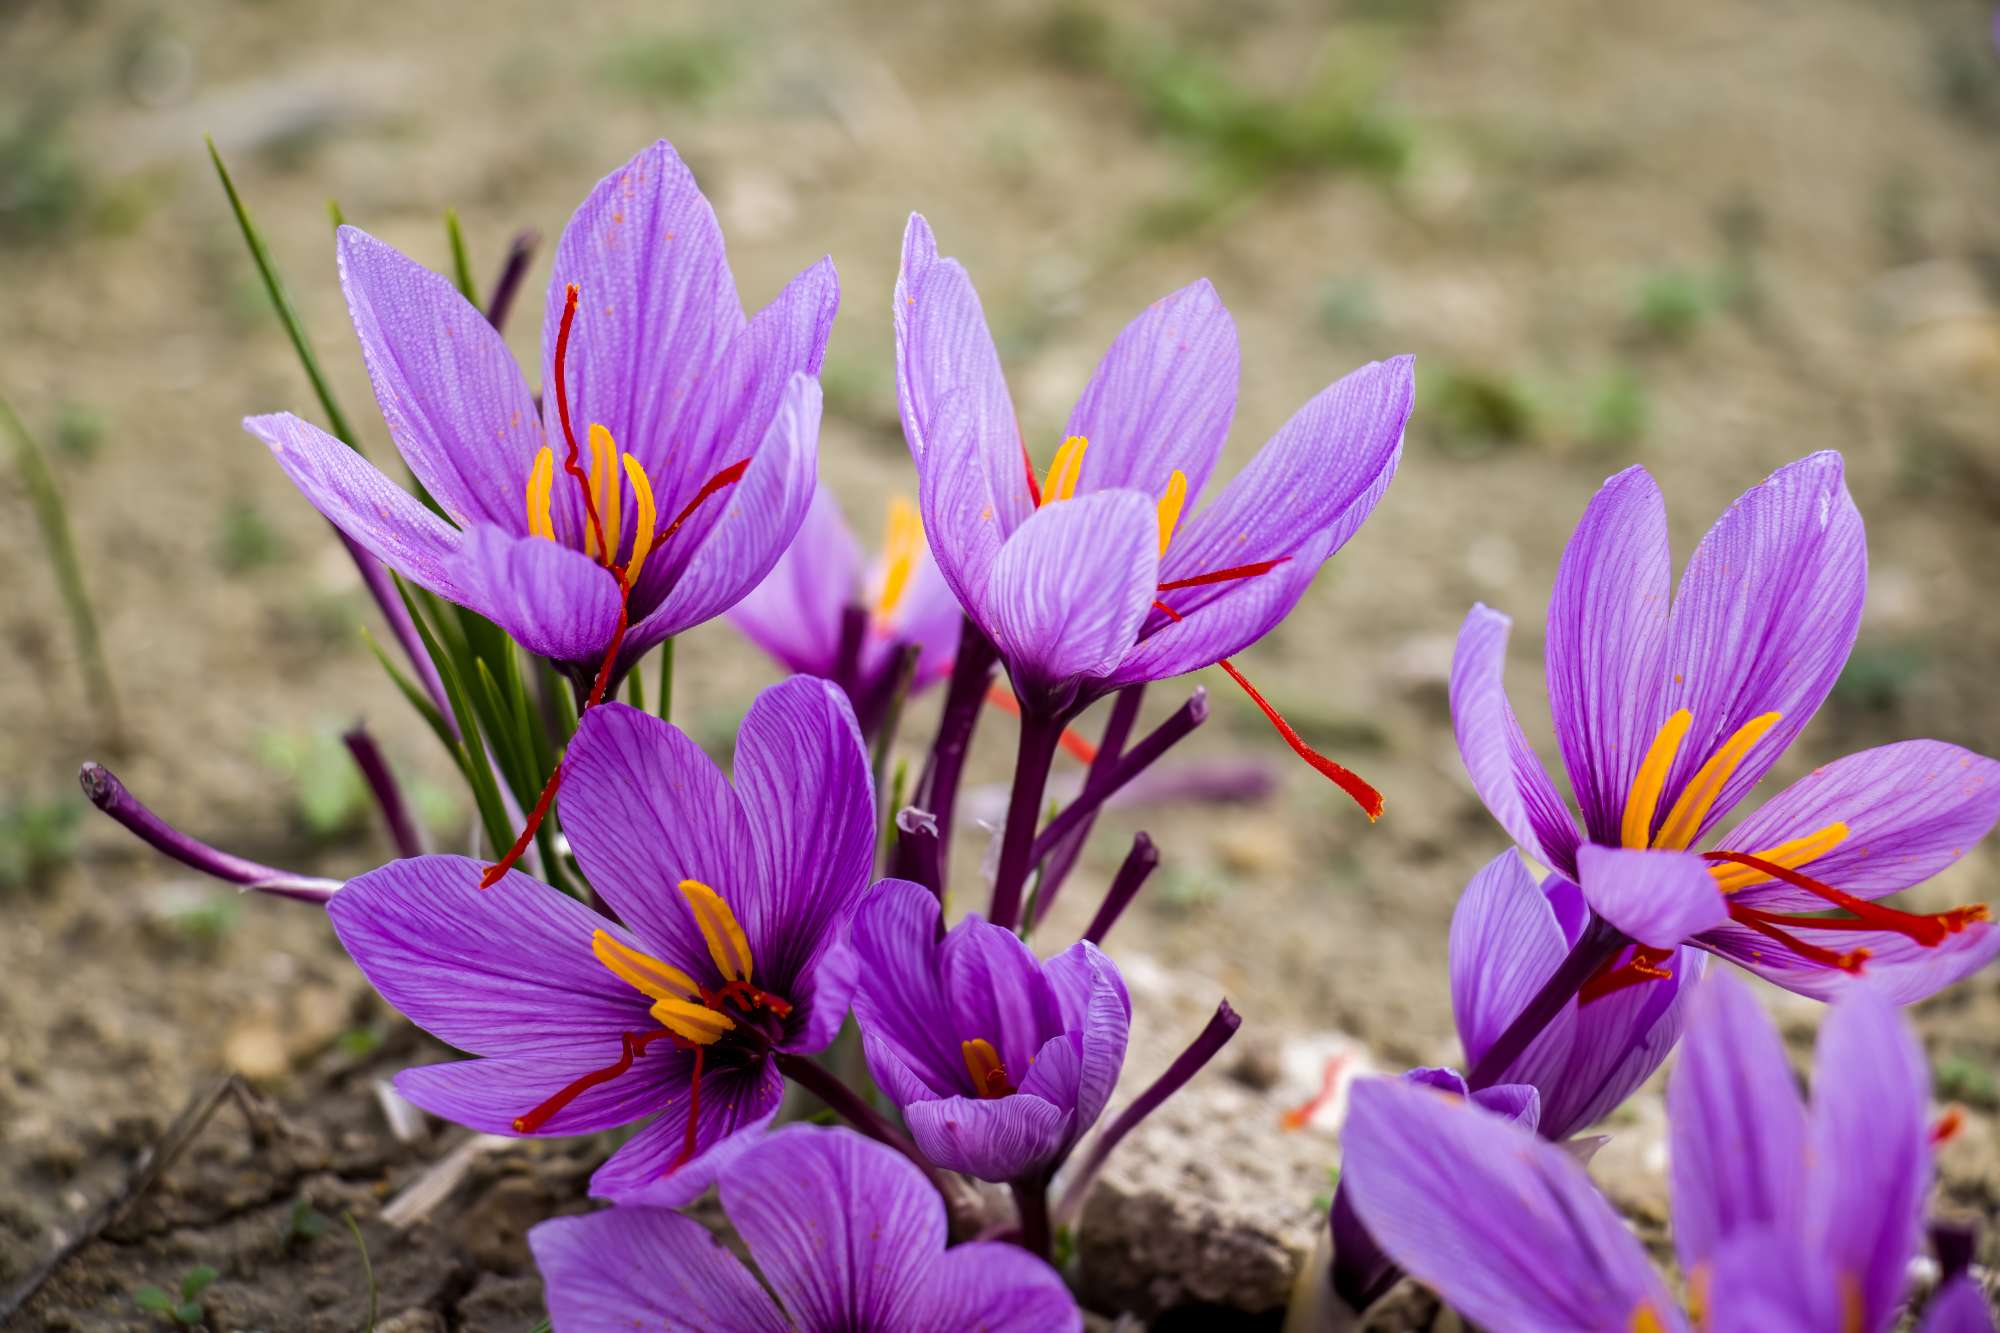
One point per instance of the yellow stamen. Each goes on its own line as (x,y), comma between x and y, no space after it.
(1729,877)
(541,478)
(1644,800)
(1172,500)
(648,517)
(701,1025)
(989,1075)
(1645,1320)
(1066,470)
(1684,820)
(676,996)
(605,492)
(902,539)
(727,944)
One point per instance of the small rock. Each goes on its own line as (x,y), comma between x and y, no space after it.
(413,1321)
(256,1050)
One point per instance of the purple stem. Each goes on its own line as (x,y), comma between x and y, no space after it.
(1185,1066)
(1140,862)
(1039,738)
(1063,857)
(110,795)
(1130,764)
(847,657)
(1031,1201)
(1597,945)
(520,251)
(388,793)
(964,699)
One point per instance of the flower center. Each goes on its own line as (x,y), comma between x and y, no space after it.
(989,1074)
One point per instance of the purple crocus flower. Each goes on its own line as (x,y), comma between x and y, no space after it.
(1668,713)
(733,904)
(669,464)
(1089,579)
(847,1234)
(998,1061)
(800,614)
(1784,1219)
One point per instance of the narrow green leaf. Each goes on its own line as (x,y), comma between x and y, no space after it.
(512,748)
(334,215)
(412,692)
(666,680)
(635,691)
(367,1273)
(478,773)
(461,262)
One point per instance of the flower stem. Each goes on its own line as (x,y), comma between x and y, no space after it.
(887,715)
(937,789)
(1132,763)
(1040,735)
(1139,863)
(1031,1200)
(108,794)
(388,793)
(665,701)
(520,251)
(1596,946)
(1063,856)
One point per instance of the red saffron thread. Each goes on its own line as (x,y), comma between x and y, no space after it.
(1249,571)
(634,1043)
(1928,930)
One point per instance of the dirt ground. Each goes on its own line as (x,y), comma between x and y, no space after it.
(1708,237)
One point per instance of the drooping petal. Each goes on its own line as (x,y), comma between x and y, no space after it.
(1959,1306)
(381,517)
(737,1106)
(644,809)
(1068,592)
(842,1227)
(553,600)
(803,780)
(455,402)
(1607,634)
(1507,1228)
(794,615)
(1657,898)
(994,1287)
(1504,768)
(1162,397)
(899,999)
(1095,1004)
(604,1272)
(1896,965)
(994,1138)
(656,306)
(490,1095)
(1910,810)
(1764,620)
(1870,1141)
(1505,943)
(994,986)
(1737,1145)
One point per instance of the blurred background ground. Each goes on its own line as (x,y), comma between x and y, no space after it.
(1707,237)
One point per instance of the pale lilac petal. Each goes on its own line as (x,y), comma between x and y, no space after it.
(500,971)
(381,517)
(1870,1137)
(489,1095)
(1911,809)
(644,809)
(1507,1228)
(1607,634)
(899,1001)
(1764,620)
(1656,898)
(1897,965)
(1162,397)
(994,1287)
(737,1106)
(930,617)
(1737,1151)
(994,986)
(794,615)
(890,1066)
(803,780)
(1772,1281)
(1504,768)
(1235,616)
(1094,1004)
(842,1227)
(605,1272)
(553,600)
(1959,1306)
(1621,1038)
(656,307)
(1068,592)
(994,1138)
(455,402)
(1505,943)
(956,500)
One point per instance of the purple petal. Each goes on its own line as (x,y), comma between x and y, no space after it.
(1507,1228)
(1068,592)
(995,992)
(842,1227)
(956,499)
(1607,635)
(803,780)
(380,516)
(994,1138)
(553,600)
(928,616)
(1911,809)
(1737,1151)
(737,1106)
(488,1095)
(1897,966)
(899,1001)
(1764,620)
(1621,1038)
(1095,1005)
(1505,943)
(1657,898)
(994,1287)
(1504,768)
(644,809)
(603,1272)
(794,615)
(1959,1306)
(454,400)
(1769,1281)
(1229,618)
(1871,1143)
(1162,397)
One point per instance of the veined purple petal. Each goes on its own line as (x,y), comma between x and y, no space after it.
(994,986)
(1772,1281)
(1897,965)
(1505,943)
(955,498)
(489,1095)
(1068,592)
(1657,898)
(603,1272)
(1737,1151)
(1764,620)
(1229,619)
(454,400)
(552,599)
(1094,1004)
(1621,1038)
(1607,634)
(993,1138)
(1162,397)
(1507,1228)
(737,1106)
(1504,768)
(380,516)
(1870,1144)
(996,1288)
(1911,809)
(644,809)
(794,614)
(1959,1306)
(899,1001)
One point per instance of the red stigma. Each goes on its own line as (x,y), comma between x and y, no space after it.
(1034,485)
(1614,976)
(571,463)
(1928,930)
(729,476)
(1249,571)
(694,1116)
(1329,1086)
(634,1043)
(1947,1125)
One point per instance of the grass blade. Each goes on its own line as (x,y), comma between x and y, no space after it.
(461,262)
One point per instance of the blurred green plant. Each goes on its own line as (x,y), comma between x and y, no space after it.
(1618,411)
(1348,305)
(689,68)
(1471,412)
(79,429)
(186,1309)
(1670,304)
(204,925)
(43,186)
(1879,677)
(37,838)
(1958,1079)
(328,797)
(245,539)
(305,1223)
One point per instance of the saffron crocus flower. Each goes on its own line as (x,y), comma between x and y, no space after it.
(732,904)
(670,462)
(802,612)
(1107,572)
(1668,714)
(847,1234)
(998,1061)
(1783,1218)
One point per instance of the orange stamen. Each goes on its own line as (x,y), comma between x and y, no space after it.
(989,1074)
(634,1043)
(1947,1125)
(1078,745)
(1642,966)
(1928,930)
(1249,571)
